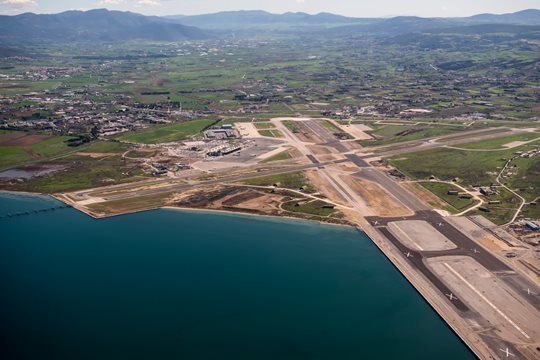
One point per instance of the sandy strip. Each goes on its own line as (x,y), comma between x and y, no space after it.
(247,130)
(356,132)
(276,151)
(514,144)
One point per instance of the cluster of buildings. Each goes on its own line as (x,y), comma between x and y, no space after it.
(79,112)
(528,154)
(41,73)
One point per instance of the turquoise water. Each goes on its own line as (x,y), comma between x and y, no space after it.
(175,285)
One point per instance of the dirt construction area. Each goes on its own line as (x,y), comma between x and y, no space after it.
(376,198)
(247,130)
(420,235)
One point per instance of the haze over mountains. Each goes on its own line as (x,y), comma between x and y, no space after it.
(109,26)
(94,25)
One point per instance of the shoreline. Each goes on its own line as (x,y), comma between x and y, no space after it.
(27,193)
(186,209)
(262,216)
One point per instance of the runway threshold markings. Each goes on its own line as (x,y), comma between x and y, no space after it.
(477,292)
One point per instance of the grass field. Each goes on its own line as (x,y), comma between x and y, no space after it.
(291,125)
(294,181)
(84,172)
(264,125)
(455,203)
(498,144)
(278,157)
(271,133)
(315,207)
(17,155)
(532,212)
(527,179)
(390,134)
(500,213)
(446,164)
(330,126)
(167,133)
(474,167)
(106,147)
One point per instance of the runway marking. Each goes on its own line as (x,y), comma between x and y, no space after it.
(406,235)
(486,300)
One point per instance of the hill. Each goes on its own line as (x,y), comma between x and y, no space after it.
(337,24)
(238,20)
(90,26)
(525,17)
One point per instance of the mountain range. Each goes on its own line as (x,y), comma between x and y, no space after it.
(112,26)
(92,26)
(242,20)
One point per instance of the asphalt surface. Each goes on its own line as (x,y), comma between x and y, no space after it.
(465,247)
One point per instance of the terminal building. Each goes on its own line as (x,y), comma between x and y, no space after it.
(223,150)
(225,132)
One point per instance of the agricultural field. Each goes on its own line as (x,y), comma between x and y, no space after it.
(18,148)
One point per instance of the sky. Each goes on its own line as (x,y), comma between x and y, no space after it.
(356,8)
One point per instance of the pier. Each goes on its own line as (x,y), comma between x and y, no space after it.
(34,212)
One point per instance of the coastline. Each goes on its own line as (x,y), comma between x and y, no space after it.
(254,216)
(27,193)
(185,209)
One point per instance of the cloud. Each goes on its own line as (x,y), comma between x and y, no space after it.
(19,2)
(111,2)
(136,3)
(149,2)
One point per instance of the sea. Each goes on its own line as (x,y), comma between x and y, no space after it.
(169,284)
